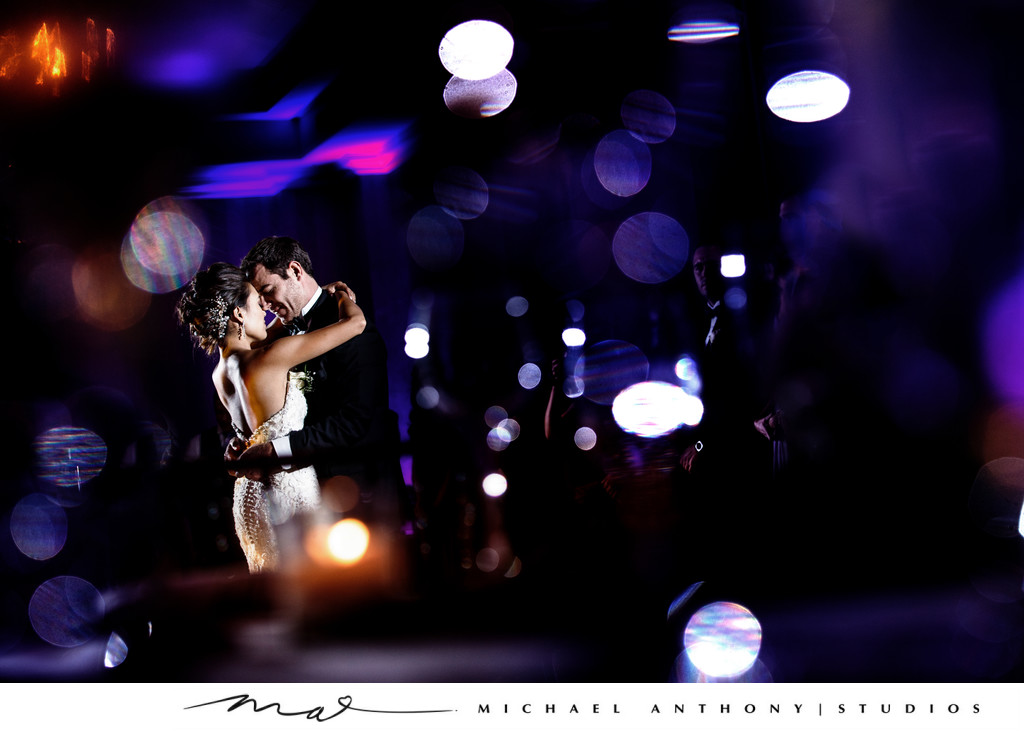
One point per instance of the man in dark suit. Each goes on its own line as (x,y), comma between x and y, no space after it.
(349,431)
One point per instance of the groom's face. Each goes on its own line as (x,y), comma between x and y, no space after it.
(282,296)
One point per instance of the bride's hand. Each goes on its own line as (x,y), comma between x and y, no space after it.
(235,448)
(256,463)
(338,288)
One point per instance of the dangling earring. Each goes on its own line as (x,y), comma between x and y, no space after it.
(241,330)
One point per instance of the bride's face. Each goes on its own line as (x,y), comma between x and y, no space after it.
(255,325)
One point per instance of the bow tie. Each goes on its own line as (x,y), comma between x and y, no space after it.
(297,325)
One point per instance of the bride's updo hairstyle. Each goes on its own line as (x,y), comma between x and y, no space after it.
(206,304)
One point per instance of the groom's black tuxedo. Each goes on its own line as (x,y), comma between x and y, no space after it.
(349,428)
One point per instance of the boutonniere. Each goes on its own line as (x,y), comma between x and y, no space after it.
(303,380)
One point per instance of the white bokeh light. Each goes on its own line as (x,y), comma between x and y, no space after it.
(652,409)
(511,427)
(688,374)
(417,341)
(808,96)
(585,438)
(529,376)
(734,265)
(417,333)
(498,439)
(494,484)
(480,98)
(476,49)
(722,639)
(417,350)
(574,337)
(572,387)
(116,651)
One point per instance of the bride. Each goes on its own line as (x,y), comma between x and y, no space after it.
(264,399)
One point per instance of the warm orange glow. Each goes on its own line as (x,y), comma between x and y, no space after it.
(91,52)
(10,58)
(51,52)
(348,541)
(46,49)
(111,47)
(105,297)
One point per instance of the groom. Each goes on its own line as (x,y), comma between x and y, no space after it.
(349,430)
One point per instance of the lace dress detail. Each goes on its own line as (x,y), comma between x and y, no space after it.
(257,506)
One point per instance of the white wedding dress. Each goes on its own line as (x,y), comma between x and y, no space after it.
(259,507)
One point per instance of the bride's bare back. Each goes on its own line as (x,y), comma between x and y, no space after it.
(251,378)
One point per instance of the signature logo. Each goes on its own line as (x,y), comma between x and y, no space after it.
(318,713)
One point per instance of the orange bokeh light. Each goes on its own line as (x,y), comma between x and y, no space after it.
(344,543)
(47,50)
(104,295)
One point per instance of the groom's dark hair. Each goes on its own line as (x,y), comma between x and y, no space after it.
(274,253)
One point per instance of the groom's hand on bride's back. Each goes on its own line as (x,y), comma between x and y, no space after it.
(253,463)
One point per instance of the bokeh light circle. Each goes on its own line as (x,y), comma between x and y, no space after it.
(735,298)
(417,349)
(651,247)
(417,333)
(39,527)
(428,397)
(498,439)
(105,297)
(435,239)
(495,415)
(572,387)
(622,163)
(733,265)
(164,246)
(648,116)
(574,337)
(722,639)
(517,306)
(996,498)
(529,376)
(585,438)
(116,651)
(494,484)
(480,99)
(608,367)
(487,560)
(461,192)
(66,611)
(348,541)
(510,426)
(653,409)
(808,96)
(688,374)
(68,458)
(476,49)
(167,243)
(575,309)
